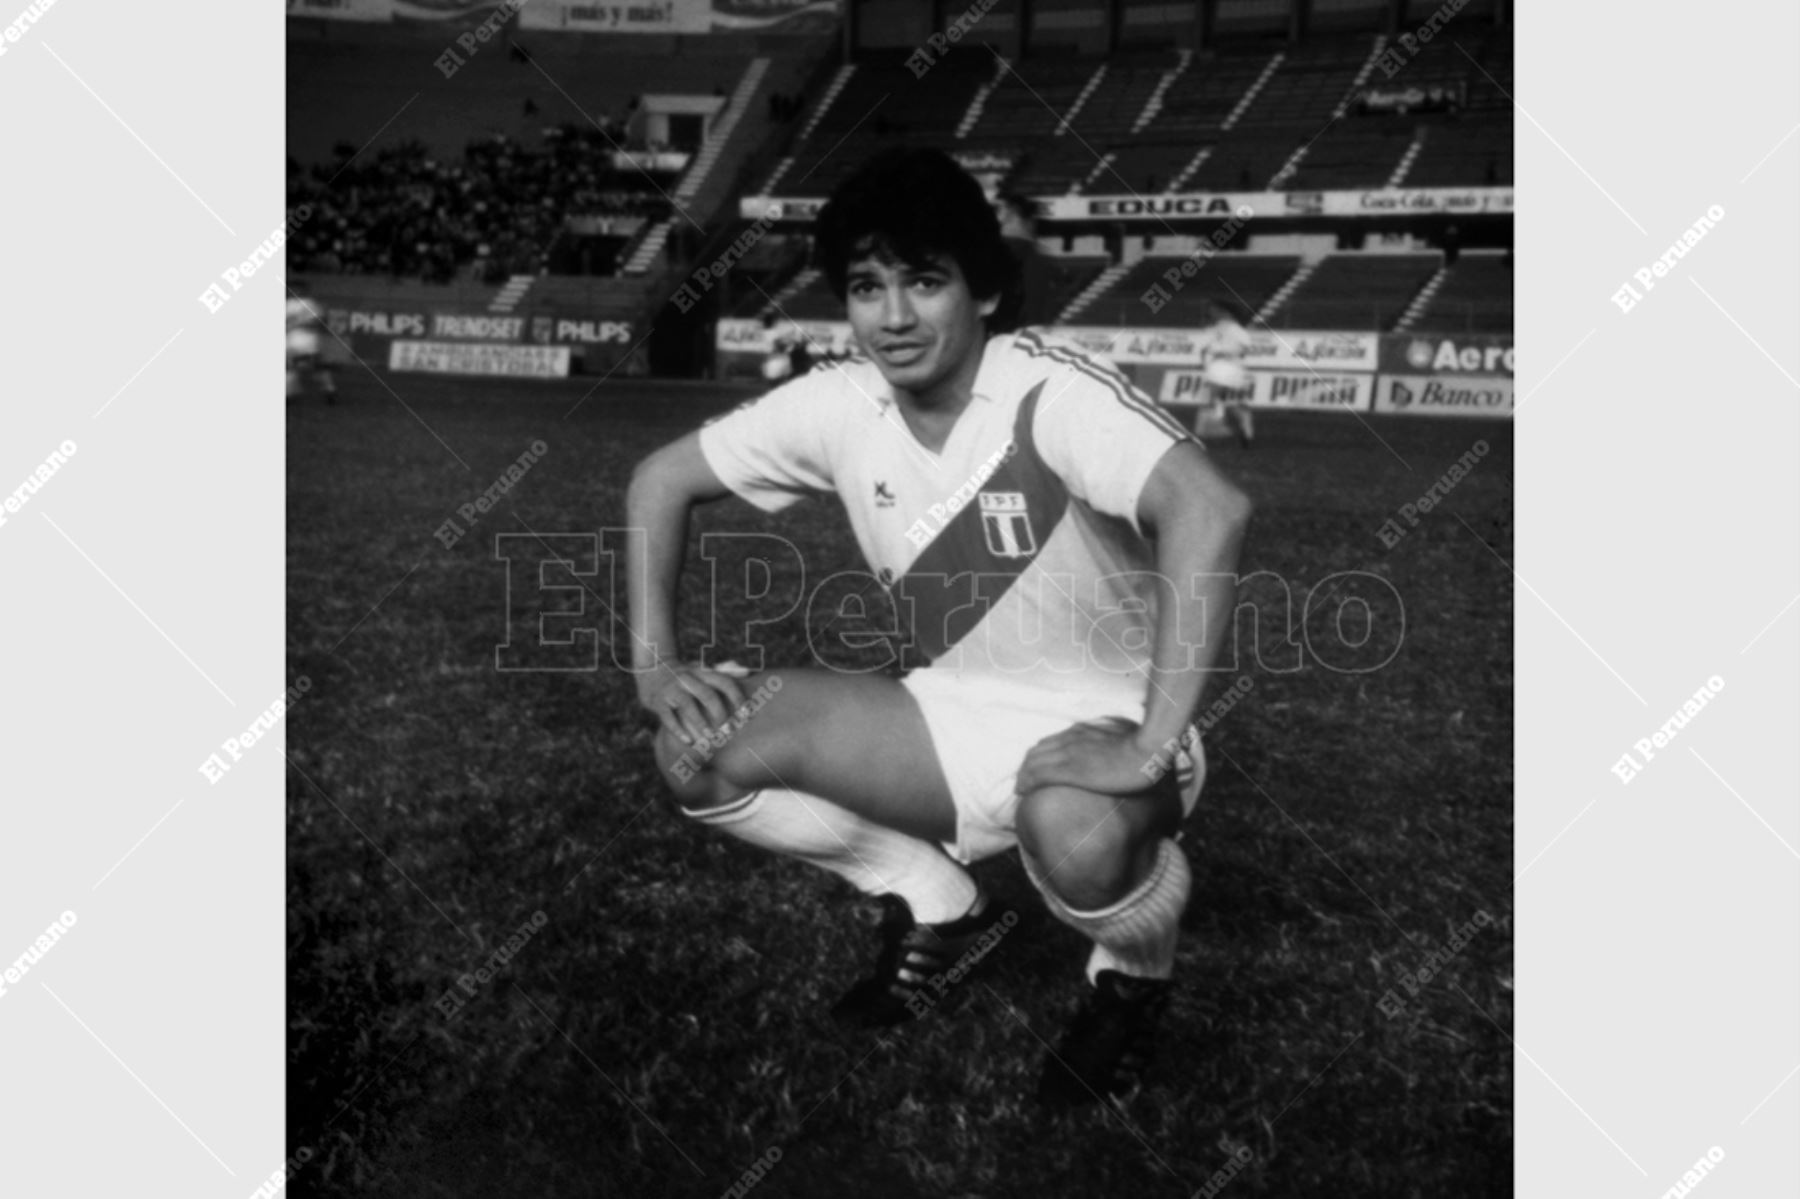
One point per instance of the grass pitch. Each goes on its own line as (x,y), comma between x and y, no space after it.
(660,1029)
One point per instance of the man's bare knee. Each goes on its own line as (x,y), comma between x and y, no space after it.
(748,761)
(693,782)
(763,742)
(757,746)
(1084,844)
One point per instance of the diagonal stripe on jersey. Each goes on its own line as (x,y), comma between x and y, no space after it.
(982,551)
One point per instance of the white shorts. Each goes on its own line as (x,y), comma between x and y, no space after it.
(302,343)
(982,726)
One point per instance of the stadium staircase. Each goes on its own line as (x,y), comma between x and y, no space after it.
(511,293)
(825,101)
(1473,296)
(1193,165)
(1154,104)
(691,190)
(1284,177)
(795,286)
(715,143)
(827,98)
(649,248)
(1413,150)
(1362,76)
(1101,168)
(1288,169)
(781,168)
(1422,301)
(1356,289)
(1102,283)
(1093,85)
(1247,279)
(973,113)
(1273,306)
(1255,89)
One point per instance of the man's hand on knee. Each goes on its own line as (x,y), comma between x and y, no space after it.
(691,702)
(1107,757)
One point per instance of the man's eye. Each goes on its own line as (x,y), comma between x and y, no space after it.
(862,289)
(928,282)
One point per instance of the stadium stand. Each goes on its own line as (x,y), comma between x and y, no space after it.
(504,165)
(1355,152)
(1071,275)
(494,212)
(1202,100)
(764,270)
(1245,281)
(1127,90)
(1153,122)
(1279,120)
(1355,291)
(855,120)
(1473,296)
(1473,145)
(1246,117)
(342,84)
(1099,143)
(506,173)
(1012,111)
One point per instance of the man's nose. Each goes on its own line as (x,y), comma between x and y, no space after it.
(897,309)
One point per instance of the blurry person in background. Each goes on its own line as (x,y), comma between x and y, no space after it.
(306,372)
(790,353)
(1224,407)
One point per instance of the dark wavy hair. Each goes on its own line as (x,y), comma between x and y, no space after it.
(911,204)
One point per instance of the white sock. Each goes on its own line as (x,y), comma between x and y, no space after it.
(871,857)
(1135,936)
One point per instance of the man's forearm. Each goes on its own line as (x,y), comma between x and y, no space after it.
(655,541)
(1198,554)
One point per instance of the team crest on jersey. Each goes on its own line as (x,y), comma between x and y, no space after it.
(1007,522)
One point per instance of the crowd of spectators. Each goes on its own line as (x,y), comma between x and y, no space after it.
(401,212)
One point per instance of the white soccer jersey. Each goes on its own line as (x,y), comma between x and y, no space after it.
(1229,340)
(302,327)
(1016,550)
(301,313)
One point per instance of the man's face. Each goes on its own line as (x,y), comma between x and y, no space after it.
(920,325)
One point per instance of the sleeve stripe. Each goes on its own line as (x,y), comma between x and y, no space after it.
(1120,387)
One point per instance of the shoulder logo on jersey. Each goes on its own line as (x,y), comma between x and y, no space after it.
(1006,520)
(883,497)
